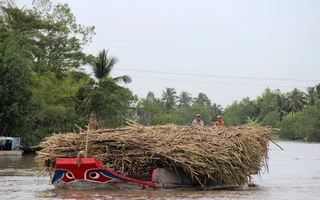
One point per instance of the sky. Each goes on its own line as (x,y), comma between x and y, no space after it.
(227,49)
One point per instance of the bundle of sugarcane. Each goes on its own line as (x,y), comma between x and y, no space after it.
(226,155)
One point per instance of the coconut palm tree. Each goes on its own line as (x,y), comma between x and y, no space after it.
(281,105)
(202,99)
(169,99)
(311,95)
(184,99)
(296,100)
(216,110)
(103,66)
(317,90)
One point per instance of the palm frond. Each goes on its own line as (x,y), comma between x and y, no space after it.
(317,88)
(6,49)
(126,79)
(103,66)
(110,64)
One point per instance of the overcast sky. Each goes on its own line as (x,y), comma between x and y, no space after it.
(228,50)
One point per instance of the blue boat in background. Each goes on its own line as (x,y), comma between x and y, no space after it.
(10,146)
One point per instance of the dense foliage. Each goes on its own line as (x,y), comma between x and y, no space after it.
(43,89)
(15,88)
(304,125)
(295,113)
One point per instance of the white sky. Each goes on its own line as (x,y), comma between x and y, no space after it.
(265,39)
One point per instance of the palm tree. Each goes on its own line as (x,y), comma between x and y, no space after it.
(169,99)
(296,100)
(317,90)
(281,105)
(202,99)
(216,109)
(311,95)
(151,97)
(103,65)
(102,68)
(184,99)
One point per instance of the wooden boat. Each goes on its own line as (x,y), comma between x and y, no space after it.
(87,173)
(10,146)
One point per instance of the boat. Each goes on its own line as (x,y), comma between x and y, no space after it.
(156,157)
(10,146)
(89,173)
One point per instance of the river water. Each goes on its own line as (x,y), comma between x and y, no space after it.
(294,173)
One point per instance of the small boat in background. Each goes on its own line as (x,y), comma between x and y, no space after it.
(10,146)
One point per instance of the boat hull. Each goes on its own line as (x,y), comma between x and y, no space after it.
(89,173)
(112,185)
(11,153)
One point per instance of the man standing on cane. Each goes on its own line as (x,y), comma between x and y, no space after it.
(197,121)
(219,122)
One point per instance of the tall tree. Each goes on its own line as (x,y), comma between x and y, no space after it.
(109,105)
(151,97)
(267,102)
(103,66)
(44,74)
(216,110)
(304,125)
(150,112)
(184,99)
(15,88)
(311,95)
(317,89)
(238,113)
(296,100)
(282,107)
(48,34)
(169,99)
(202,99)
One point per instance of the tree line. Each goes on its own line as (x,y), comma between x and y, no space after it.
(295,113)
(44,90)
(178,109)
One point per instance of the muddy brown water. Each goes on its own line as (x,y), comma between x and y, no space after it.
(294,173)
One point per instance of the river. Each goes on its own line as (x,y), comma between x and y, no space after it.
(294,173)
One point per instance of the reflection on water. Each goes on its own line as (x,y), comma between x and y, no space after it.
(293,174)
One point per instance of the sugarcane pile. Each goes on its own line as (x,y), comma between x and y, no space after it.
(226,155)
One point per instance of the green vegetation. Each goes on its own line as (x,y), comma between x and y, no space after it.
(44,90)
(304,125)
(296,114)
